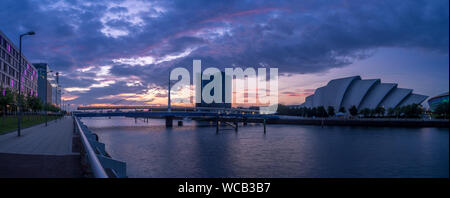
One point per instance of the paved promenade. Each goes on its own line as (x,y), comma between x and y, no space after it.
(55,139)
(40,152)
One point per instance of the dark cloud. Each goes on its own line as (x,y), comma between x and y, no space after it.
(296,36)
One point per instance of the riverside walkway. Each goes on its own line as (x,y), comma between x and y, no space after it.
(41,151)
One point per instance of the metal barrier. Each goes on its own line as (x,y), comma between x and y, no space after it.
(99,161)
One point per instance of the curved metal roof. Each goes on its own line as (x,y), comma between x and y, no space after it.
(371,93)
(357,91)
(308,101)
(318,98)
(438,96)
(376,95)
(413,99)
(395,97)
(335,91)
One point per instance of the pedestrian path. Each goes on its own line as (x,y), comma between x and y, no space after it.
(54,139)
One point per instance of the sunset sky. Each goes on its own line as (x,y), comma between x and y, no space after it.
(107,50)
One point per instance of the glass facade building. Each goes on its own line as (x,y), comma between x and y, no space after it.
(48,86)
(436,100)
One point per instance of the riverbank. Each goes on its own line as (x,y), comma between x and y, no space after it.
(372,122)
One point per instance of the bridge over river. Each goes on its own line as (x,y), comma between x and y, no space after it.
(227,115)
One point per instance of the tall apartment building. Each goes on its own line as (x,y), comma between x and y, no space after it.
(49,90)
(9,69)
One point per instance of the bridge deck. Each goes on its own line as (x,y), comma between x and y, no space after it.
(191,114)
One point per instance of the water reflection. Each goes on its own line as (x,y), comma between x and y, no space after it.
(194,150)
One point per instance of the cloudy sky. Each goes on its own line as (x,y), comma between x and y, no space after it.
(107,50)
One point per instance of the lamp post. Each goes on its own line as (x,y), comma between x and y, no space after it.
(19,116)
(46,102)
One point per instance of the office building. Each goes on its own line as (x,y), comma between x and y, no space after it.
(49,90)
(9,69)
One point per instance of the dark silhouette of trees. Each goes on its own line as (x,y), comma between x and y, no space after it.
(6,98)
(330,111)
(408,111)
(321,112)
(353,110)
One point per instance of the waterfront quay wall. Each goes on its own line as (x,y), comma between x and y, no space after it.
(373,122)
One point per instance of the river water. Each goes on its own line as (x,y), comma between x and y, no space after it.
(196,150)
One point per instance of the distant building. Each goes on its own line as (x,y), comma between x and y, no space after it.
(49,90)
(9,69)
(213,104)
(370,93)
(436,100)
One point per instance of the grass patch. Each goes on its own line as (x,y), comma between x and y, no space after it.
(9,123)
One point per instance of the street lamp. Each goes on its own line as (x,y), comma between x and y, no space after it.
(46,102)
(20,80)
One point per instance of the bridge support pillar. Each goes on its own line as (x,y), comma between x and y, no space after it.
(169,121)
(217,125)
(264,125)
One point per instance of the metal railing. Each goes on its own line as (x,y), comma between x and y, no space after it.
(94,163)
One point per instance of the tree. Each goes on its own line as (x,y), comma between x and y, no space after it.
(314,112)
(34,103)
(379,111)
(321,112)
(412,111)
(342,110)
(52,108)
(23,103)
(365,112)
(330,111)
(353,111)
(391,112)
(6,98)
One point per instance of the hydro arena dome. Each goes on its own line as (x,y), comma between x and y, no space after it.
(370,93)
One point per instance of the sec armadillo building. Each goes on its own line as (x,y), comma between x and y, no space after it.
(369,93)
